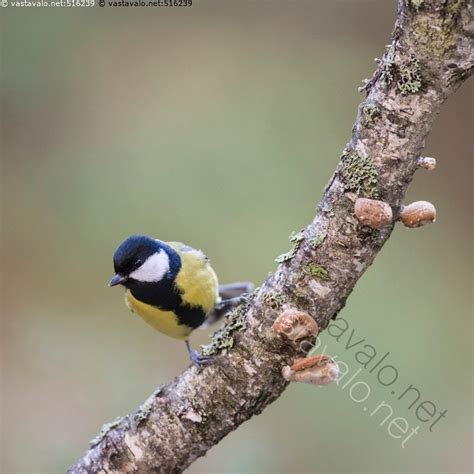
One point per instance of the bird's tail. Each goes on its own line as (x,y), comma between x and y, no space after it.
(230,295)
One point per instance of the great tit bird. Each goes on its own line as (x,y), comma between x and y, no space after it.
(172,287)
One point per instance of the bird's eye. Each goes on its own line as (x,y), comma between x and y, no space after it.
(137,263)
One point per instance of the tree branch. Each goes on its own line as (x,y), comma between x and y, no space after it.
(429,56)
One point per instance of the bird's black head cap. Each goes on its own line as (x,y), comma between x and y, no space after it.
(132,252)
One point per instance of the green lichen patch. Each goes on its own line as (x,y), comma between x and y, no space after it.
(433,35)
(358,174)
(297,236)
(405,74)
(409,79)
(104,430)
(318,239)
(369,113)
(316,271)
(144,411)
(416,4)
(274,299)
(285,257)
(223,338)
(387,66)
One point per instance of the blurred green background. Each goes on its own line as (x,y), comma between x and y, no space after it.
(217,125)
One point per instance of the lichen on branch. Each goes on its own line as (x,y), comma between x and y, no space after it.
(429,56)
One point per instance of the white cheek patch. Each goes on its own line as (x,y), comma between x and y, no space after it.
(153,269)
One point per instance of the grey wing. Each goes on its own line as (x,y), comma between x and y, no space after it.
(230,296)
(233,290)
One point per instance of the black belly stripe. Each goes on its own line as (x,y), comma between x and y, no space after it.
(165,296)
(192,316)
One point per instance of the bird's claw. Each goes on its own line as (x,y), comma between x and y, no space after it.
(200,360)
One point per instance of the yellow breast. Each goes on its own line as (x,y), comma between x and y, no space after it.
(196,279)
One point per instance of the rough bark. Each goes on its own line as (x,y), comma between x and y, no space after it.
(429,56)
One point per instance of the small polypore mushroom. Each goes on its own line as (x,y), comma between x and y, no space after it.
(295,325)
(317,370)
(373,213)
(427,163)
(418,214)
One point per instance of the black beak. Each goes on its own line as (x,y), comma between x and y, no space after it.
(117,279)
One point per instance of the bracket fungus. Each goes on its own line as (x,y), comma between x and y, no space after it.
(373,213)
(427,163)
(294,325)
(417,214)
(317,370)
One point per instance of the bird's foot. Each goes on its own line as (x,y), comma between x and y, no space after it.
(200,360)
(197,359)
